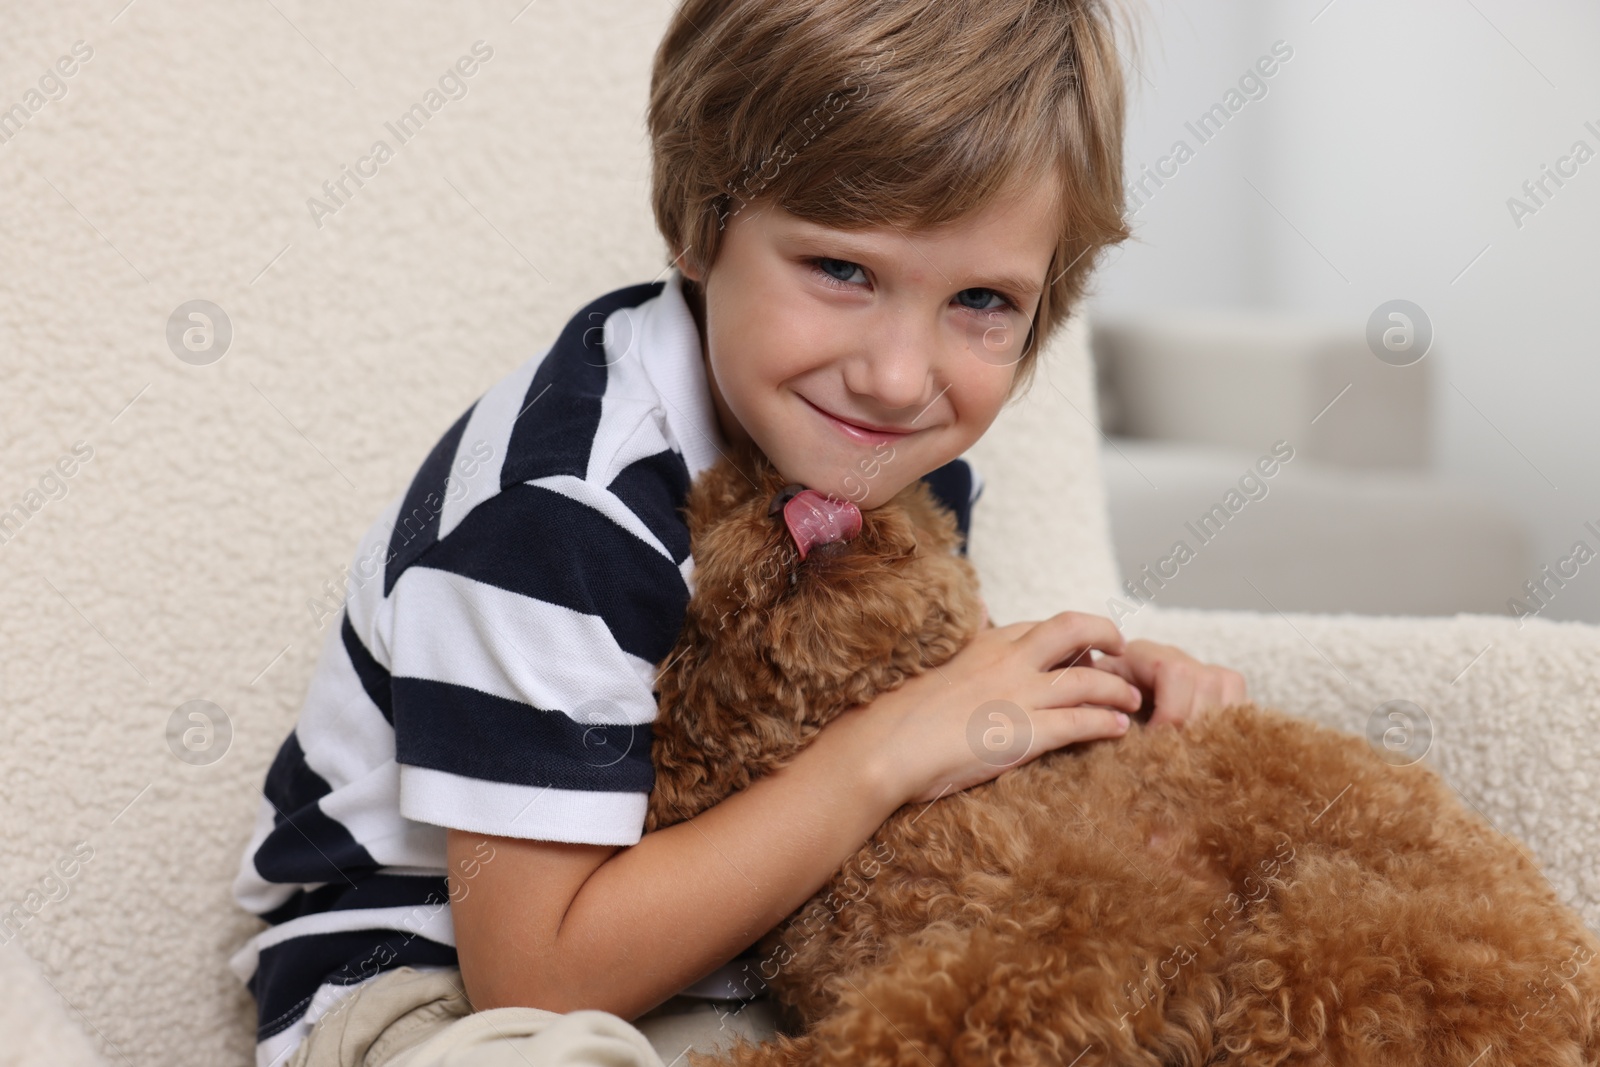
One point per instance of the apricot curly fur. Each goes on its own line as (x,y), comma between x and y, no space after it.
(1249,889)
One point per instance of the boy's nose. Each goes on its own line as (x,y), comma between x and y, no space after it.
(894,372)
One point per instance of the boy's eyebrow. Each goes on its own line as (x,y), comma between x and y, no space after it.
(1023,287)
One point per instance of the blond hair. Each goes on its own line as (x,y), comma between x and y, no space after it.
(856,113)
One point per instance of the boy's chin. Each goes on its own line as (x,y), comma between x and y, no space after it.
(866,493)
(863,480)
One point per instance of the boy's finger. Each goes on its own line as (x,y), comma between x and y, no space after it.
(1174,696)
(1080,724)
(1090,685)
(1066,638)
(1116,665)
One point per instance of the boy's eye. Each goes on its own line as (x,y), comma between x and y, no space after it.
(829,266)
(838,274)
(983,299)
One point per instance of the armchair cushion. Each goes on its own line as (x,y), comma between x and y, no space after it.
(1513,712)
(36,1024)
(1386,542)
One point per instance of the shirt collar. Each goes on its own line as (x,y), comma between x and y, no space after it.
(670,348)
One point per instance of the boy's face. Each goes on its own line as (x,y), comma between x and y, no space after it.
(917,332)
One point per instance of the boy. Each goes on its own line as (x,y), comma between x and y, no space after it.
(882,210)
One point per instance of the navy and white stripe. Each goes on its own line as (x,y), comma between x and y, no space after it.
(493,666)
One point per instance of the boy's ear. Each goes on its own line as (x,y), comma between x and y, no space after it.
(686,265)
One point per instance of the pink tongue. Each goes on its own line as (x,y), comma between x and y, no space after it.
(814,519)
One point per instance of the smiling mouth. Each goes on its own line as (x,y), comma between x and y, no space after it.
(857,432)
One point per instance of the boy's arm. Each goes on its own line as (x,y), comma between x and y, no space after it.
(566,926)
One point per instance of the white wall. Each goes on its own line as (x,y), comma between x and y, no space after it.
(1387,147)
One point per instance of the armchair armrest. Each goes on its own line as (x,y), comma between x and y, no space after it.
(34,1017)
(1514,713)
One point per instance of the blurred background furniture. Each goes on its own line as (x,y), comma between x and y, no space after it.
(1295,208)
(1356,521)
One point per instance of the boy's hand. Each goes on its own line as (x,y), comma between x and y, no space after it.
(1181,685)
(1011,694)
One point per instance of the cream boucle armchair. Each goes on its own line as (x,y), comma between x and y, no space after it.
(1507,711)
(177,563)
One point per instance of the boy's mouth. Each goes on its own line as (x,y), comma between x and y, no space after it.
(857,433)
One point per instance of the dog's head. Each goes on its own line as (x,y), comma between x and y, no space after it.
(815,625)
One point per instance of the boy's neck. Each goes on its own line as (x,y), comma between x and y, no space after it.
(732,431)
(697,307)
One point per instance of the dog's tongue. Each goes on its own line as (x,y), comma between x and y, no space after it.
(814,519)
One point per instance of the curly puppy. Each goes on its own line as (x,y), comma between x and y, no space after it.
(1248,889)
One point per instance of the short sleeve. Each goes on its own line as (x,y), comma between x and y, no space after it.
(523,649)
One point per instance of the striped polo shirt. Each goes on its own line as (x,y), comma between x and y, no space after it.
(493,666)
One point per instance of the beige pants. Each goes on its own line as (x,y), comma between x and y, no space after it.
(411,1018)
